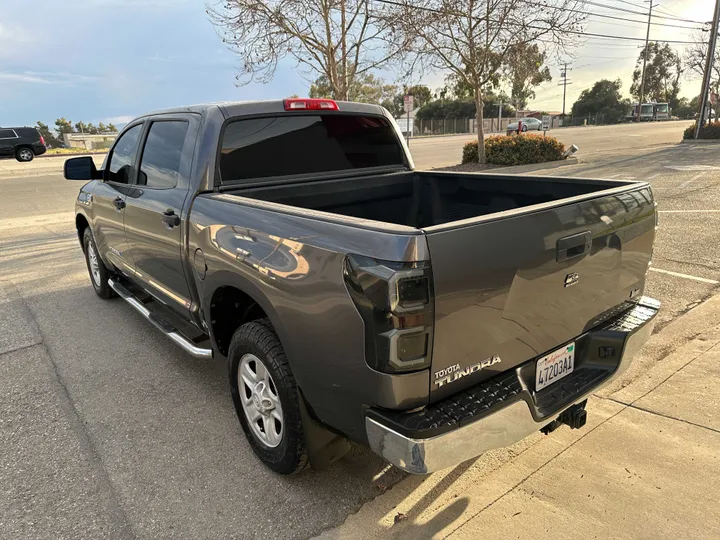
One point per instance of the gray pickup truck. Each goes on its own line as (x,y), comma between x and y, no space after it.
(429,315)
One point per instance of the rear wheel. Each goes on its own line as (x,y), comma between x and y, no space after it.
(24,154)
(524,128)
(266,397)
(96,268)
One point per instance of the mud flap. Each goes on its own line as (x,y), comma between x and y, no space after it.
(323,446)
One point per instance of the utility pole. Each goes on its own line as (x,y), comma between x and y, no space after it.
(499,116)
(563,76)
(645,55)
(708,69)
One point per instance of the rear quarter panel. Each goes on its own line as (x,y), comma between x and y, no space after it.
(293,267)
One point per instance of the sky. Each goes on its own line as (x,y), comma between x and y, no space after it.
(111,60)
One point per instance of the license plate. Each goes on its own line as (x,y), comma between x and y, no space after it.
(554,366)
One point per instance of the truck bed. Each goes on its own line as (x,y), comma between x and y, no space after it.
(425,199)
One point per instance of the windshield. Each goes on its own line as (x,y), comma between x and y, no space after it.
(305,144)
(646,109)
(662,108)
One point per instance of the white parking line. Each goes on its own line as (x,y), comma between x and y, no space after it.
(689,211)
(685,276)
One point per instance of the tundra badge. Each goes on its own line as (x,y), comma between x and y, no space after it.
(453,373)
(572,279)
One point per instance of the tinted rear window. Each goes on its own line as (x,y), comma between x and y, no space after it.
(306,144)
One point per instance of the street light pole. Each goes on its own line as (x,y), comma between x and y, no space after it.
(708,70)
(645,55)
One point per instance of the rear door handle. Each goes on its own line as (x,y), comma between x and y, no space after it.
(170,218)
(119,203)
(573,246)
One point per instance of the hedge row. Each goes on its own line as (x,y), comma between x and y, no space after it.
(710,131)
(516,150)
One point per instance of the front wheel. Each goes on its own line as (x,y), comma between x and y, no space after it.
(96,268)
(524,128)
(266,397)
(24,154)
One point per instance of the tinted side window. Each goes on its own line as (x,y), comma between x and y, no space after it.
(7,134)
(160,163)
(306,144)
(120,167)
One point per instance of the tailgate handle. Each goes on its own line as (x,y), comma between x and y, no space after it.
(573,246)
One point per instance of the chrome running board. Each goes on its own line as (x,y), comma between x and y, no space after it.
(159,323)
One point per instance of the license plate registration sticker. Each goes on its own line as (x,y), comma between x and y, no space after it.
(554,366)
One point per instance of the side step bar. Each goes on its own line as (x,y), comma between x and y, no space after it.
(163,326)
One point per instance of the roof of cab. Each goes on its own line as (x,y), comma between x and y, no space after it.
(244,108)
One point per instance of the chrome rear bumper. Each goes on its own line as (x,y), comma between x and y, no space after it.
(498,429)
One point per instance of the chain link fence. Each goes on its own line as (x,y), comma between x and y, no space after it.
(458,126)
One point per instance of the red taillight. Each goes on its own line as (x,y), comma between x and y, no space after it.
(310,104)
(42,140)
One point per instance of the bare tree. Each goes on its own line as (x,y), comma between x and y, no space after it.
(694,61)
(338,40)
(474,38)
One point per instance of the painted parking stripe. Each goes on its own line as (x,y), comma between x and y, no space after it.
(685,276)
(689,211)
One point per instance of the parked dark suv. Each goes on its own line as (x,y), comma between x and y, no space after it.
(21,143)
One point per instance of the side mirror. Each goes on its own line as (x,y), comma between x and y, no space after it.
(81,168)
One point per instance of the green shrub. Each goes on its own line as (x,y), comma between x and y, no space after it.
(710,131)
(516,150)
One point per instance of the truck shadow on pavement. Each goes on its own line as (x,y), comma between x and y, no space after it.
(162,423)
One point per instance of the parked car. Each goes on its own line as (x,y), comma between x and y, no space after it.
(22,143)
(528,124)
(428,315)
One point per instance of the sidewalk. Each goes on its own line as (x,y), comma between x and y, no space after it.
(647,465)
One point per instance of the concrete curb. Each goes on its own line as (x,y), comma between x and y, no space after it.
(70,155)
(540,166)
(700,141)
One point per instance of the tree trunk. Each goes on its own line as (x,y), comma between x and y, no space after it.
(479,121)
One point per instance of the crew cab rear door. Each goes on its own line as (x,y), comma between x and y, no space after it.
(155,210)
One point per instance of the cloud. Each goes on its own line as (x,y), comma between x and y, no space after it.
(46,77)
(24,77)
(117,120)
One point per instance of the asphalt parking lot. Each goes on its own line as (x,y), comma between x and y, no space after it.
(111,431)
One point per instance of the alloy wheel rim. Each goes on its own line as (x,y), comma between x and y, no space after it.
(25,154)
(94,264)
(260,401)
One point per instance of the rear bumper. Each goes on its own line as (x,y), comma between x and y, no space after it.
(504,410)
(39,149)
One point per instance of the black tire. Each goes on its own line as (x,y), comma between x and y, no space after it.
(24,154)
(100,284)
(524,129)
(259,339)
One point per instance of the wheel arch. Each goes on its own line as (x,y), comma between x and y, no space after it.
(230,300)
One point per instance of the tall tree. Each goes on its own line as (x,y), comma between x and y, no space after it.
(662,74)
(64,125)
(365,88)
(111,128)
(604,99)
(473,39)
(340,40)
(694,61)
(524,69)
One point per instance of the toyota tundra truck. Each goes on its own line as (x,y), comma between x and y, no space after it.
(429,315)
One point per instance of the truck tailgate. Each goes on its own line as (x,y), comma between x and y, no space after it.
(512,286)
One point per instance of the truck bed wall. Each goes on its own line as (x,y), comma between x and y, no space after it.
(423,199)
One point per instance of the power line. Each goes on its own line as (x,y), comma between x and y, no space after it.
(644,14)
(605,36)
(604,16)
